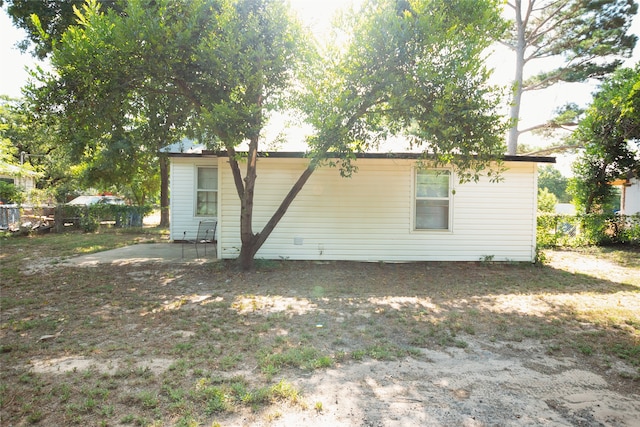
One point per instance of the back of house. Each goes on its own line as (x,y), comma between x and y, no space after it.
(392,210)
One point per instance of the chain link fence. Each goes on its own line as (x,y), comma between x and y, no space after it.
(9,217)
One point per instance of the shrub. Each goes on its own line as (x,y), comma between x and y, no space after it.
(10,193)
(546,200)
(589,229)
(88,218)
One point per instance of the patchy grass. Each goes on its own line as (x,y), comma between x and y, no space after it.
(185,345)
(39,247)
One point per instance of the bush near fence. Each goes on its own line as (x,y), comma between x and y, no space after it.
(587,230)
(89,218)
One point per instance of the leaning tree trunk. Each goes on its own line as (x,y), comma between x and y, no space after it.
(251,242)
(248,251)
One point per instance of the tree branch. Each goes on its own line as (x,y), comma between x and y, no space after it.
(553,149)
(184,89)
(284,205)
(507,45)
(548,125)
(552,15)
(235,170)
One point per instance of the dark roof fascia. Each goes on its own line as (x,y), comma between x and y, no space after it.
(203,154)
(301,155)
(532,159)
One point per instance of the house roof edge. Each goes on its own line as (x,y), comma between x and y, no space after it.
(390,155)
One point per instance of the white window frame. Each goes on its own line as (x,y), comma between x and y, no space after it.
(198,190)
(414,204)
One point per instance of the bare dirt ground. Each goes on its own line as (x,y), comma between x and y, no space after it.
(485,384)
(477,386)
(433,344)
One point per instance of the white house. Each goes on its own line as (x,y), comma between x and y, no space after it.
(629,195)
(390,210)
(20,176)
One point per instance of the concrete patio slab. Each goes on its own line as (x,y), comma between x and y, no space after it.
(145,253)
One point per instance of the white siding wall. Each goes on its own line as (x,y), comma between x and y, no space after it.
(369,217)
(182,183)
(27,183)
(632,198)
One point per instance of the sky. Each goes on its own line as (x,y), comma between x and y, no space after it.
(317,14)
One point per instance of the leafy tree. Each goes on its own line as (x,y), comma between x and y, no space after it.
(610,133)
(588,36)
(216,69)
(112,119)
(128,84)
(45,22)
(8,151)
(52,18)
(31,143)
(546,201)
(411,69)
(551,179)
(10,193)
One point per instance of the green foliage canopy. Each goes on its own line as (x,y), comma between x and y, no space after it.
(53,19)
(546,201)
(111,116)
(587,37)
(550,178)
(8,151)
(31,145)
(590,36)
(610,133)
(412,70)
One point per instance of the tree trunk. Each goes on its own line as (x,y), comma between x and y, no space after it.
(251,243)
(164,191)
(248,239)
(514,113)
(248,251)
(589,205)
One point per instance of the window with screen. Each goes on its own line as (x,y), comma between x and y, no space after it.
(432,201)
(207,192)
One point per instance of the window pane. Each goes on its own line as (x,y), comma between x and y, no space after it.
(432,214)
(431,183)
(207,178)
(207,194)
(207,203)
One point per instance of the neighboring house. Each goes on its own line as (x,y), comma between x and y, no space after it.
(565,209)
(629,195)
(18,175)
(390,210)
